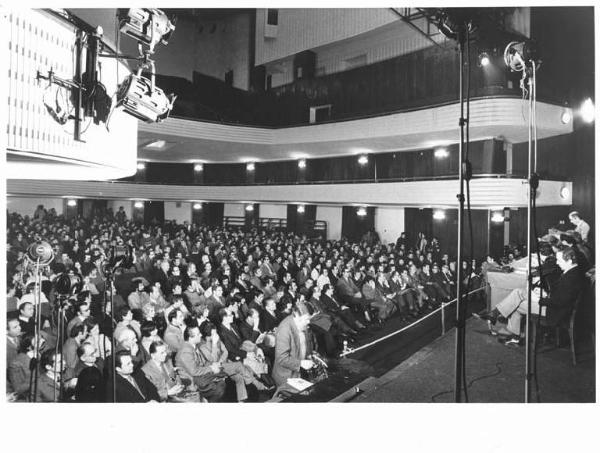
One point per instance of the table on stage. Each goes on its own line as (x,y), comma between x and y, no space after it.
(502,283)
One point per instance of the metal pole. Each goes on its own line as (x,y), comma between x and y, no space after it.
(460,327)
(531,193)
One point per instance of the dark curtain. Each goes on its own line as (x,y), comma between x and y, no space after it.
(214,214)
(154,212)
(301,223)
(353,225)
(252,217)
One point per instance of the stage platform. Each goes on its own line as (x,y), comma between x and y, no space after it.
(495,372)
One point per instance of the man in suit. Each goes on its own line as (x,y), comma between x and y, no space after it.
(82,308)
(90,386)
(19,367)
(160,372)
(13,335)
(293,345)
(556,307)
(173,335)
(76,336)
(130,386)
(206,376)
(231,336)
(351,295)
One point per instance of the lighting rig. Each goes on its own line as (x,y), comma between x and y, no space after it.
(137,95)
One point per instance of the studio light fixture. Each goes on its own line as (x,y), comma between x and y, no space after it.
(197,206)
(497,217)
(439,214)
(441,153)
(565,192)
(250,166)
(141,165)
(587,111)
(363,159)
(361,212)
(71,202)
(198,167)
(138,204)
(300,209)
(302,163)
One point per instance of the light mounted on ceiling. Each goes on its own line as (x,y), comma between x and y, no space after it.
(361,212)
(300,209)
(71,203)
(197,206)
(250,166)
(138,204)
(302,163)
(198,167)
(363,159)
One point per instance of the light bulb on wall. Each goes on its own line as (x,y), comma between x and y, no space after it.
(71,203)
(197,206)
(198,167)
(249,207)
(497,217)
(440,153)
(439,215)
(565,192)
(361,212)
(363,160)
(250,166)
(302,163)
(484,59)
(300,209)
(141,165)
(138,204)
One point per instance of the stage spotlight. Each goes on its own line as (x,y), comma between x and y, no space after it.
(565,192)
(149,26)
(300,209)
(363,160)
(197,206)
(497,217)
(141,165)
(439,215)
(441,153)
(250,166)
(484,59)
(71,203)
(302,163)
(141,98)
(198,167)
(138,204)
(249,207)
(587,111)
(361,212)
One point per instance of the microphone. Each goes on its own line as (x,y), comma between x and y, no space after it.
(40,251)
(519,55)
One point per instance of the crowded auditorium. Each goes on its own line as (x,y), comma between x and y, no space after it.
(300,205)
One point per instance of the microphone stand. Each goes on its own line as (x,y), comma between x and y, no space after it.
(37,297)
(462,37)
(110,281)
